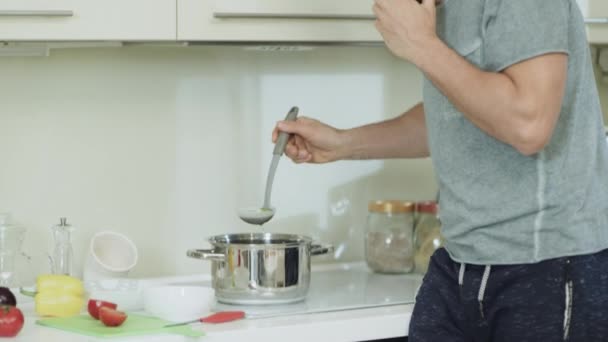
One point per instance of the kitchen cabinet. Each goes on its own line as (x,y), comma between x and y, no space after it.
(276,20)
(87,20)
(596,16)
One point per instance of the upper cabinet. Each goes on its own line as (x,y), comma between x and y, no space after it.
(213,20)
(87,20)
(596,16)
(276,20)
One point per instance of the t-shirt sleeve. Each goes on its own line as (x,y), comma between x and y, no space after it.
(517,30)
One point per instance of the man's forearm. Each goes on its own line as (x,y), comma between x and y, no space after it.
(402,137)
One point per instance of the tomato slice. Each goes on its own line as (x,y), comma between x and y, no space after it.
(111,318)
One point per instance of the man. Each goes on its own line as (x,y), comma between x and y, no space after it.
(512,121)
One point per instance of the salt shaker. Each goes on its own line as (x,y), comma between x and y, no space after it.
(61,261)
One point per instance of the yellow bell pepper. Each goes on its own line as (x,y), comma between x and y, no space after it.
(58,295)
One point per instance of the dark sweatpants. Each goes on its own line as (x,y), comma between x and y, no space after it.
(564,299)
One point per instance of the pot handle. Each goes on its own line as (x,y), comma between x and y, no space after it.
(316,249)
(206,254)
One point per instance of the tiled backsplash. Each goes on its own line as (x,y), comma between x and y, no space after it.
(164,143)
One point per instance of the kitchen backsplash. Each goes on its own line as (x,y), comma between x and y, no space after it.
(163,144)
(602,82)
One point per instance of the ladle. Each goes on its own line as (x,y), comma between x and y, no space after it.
(262,215)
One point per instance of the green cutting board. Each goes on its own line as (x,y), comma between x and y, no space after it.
(134,325)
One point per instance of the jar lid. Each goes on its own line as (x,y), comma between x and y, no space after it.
(391,206)
(428,207)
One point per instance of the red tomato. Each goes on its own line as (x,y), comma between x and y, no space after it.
(95,305)
(111,318)
(11,321)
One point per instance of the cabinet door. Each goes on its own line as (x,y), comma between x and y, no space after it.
(276,20)
(596,17)
(78,20)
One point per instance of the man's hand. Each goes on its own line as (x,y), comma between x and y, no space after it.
(312,141)
(406,26)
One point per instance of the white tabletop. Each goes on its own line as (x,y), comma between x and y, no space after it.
(344,324)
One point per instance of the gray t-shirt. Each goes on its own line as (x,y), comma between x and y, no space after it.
(497,205)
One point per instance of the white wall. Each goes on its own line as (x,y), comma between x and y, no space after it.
(163,144)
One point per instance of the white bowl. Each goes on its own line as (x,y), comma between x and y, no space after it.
(177,303)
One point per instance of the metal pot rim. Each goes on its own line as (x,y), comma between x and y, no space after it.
(259,239)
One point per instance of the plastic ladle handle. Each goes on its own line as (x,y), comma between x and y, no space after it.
(223,317)
(219,317)
(279,147)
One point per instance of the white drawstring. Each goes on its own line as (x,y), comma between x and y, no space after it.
(461,274)
(568,310)
(482,288)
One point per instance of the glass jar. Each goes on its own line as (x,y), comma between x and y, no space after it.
(427,234)
(11,240)
(389,238)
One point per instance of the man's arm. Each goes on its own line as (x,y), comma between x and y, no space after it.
(402,137)
(518,106)
(315,142)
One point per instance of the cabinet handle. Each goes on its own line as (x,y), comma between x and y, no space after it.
(36,13)
(596,20)
(261,15)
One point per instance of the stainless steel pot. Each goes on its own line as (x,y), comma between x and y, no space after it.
(260,268)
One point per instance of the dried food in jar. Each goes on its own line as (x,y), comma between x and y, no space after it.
(426,249)
(427,233)
(390,251)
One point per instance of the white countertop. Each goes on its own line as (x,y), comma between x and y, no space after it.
(344,326)
(357,324)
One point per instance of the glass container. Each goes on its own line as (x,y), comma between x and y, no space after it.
(389,237)
(11,241)
(428,236)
